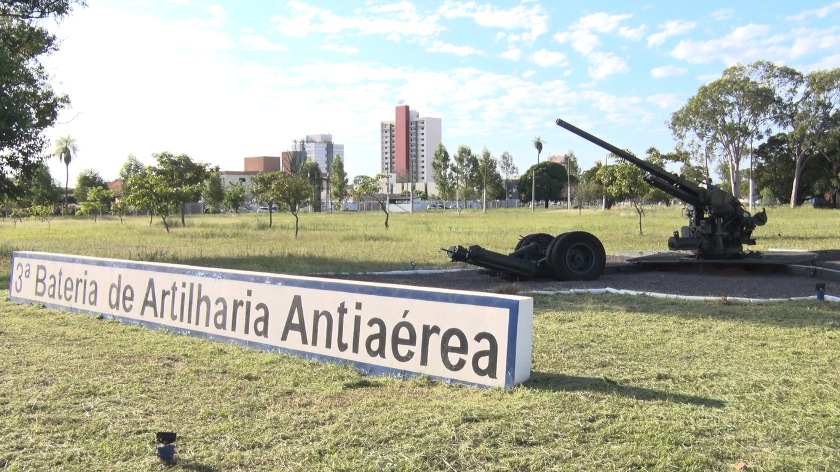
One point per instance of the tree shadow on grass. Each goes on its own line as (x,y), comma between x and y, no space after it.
(571,383)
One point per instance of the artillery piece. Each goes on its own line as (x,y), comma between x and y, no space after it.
(718,224)
(718,228)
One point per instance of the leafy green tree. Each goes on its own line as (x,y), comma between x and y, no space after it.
(152,191)
(36,188)
(41,213)
(96,202)
(465,169)
(312,171)
(550,183)
(263,191)
(29,104)
(728,115)
(442,173)
(120,208)
(625,181)
(486,170)
(66,150)
(86,181)
(293,191)
(212,192)
(183,175)
(131,167)
(507,168)
(338,182)
(371,187)
(235,196)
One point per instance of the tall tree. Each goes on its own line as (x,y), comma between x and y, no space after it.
(66,149)
(312,171)
(508,168)
(486,169)
(130,167)
(727,115)
(183,175)
(28,103)
(338,181)
(550,183)
(213,193)
(37,188)
(442,173)
(86,181)
(152,191)
(538,145)
(465,169)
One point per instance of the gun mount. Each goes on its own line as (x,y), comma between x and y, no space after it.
(718,224)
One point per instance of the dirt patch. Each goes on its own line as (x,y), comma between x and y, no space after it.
(700,281)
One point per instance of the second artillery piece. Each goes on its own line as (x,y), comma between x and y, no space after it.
(718,224)
(718,229)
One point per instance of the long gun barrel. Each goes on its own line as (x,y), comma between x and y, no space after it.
(718,226)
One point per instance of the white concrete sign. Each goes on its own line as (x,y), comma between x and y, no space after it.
(467,337)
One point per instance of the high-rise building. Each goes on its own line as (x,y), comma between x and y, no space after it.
(315,147)
(408,146)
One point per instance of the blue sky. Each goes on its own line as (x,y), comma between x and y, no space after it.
(222,80)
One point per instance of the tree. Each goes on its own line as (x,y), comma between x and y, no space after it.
(152,191)
(131,167)
(312,171)
(538,145)
(508,168)
(29,104)
(293,191)
(97,200)
(550,183)
(36,188)
(625,181)
(263,191)
(442,173)
(466,174)
(66,149)
(338,181)
(365,186)
(235,196)
(86,181)
(727,116)
(183,175)
(212,192)
(120,208)
(486,169)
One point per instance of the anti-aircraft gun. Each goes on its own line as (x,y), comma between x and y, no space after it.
(718,224)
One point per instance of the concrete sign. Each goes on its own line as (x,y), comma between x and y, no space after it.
(467,337)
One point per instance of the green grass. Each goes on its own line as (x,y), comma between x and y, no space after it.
(618,383)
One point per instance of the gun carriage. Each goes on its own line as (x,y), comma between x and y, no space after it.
(718,228)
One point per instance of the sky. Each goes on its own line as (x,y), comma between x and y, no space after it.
(222,80)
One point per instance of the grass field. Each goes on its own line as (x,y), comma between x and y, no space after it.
(618,383)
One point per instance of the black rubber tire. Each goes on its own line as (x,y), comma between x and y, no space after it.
(576,255)
(542,240)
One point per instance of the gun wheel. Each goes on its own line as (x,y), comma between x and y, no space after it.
(542,240)
(576,255)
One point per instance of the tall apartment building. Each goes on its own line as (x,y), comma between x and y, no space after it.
(315,147)
(408,146)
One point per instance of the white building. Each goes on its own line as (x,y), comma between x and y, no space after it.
(408,146)
(321,149)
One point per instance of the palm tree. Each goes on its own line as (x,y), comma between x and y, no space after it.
(538,144)
(66,149)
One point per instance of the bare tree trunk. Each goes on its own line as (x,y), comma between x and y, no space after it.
(797,178)
(296,224)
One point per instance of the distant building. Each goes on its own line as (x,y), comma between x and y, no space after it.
(408,146)
(318,148)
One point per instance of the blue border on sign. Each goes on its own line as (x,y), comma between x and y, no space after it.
(396,291)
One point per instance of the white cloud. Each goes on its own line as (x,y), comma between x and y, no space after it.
(668,29)
(340,48)
(583,41)
(532,20)
(600,22)
(664,101)
(821,12)
(605,64)
(392,21)
(260,43)
(723,14)
(735,47)
(440,46)
(513,54)
(546,58)
(633,34)
(667,71)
